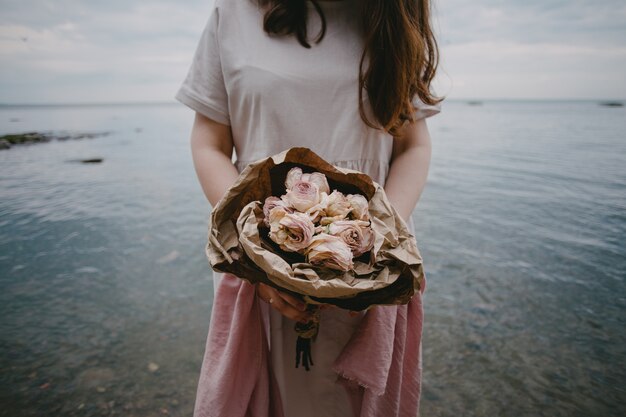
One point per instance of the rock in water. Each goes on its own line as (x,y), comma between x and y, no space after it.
(173,255)
(96,377)
(612,104)
(36,137)
(28,137)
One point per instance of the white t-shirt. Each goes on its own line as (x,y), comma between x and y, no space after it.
(275,94)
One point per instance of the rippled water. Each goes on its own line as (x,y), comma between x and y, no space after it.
(105,293)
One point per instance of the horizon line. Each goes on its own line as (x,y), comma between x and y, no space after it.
(171,102)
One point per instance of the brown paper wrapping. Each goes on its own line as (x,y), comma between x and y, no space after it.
(238,242)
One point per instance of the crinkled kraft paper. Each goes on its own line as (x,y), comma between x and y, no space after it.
(238,242)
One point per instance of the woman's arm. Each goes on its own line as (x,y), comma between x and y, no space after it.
(212,151)
(408,171)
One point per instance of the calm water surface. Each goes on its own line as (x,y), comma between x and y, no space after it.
(105,292)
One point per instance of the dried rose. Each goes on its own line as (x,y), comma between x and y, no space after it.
(303,195)
(318,179)
(330,252)
(274,217)
(318,211)
(270,203)
(337,205)
(359,205)
(357,234)
(295,175)
(292,231)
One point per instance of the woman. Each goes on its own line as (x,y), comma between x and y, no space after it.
(358,97)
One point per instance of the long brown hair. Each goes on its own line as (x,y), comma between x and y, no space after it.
(399,42)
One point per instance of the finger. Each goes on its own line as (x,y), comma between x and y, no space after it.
(288,310)
(353,313)
(268,293)
(264,291)
(293,301)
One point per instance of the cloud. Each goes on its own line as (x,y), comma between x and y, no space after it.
(532,21)
(70,51)
(532,49)
(505,70)
(75,51)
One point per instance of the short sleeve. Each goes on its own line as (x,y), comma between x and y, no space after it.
(203,90)
(423,110)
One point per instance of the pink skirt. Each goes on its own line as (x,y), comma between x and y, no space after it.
(316,392)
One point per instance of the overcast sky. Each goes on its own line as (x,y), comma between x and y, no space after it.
(56,51)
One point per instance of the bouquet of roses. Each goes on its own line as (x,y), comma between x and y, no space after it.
(329,229)
(306,227)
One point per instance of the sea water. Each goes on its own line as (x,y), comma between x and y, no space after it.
(106,293)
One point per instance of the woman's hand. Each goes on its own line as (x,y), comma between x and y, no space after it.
(286,304)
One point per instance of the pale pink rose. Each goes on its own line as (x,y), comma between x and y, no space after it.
(270,203)
(357,234)
(274,217)
(293,176)
(338,205)
(303,195)
(330,252)
(293,232)
(318,179)
(360,207)
(319,210)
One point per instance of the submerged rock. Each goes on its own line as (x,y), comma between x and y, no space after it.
(29,137)
(170,257)
(7,141)
(87,161)
(97,377)
(611,104)
(153,367)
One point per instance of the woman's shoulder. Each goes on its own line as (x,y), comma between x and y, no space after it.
(235,6)
(238,15)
